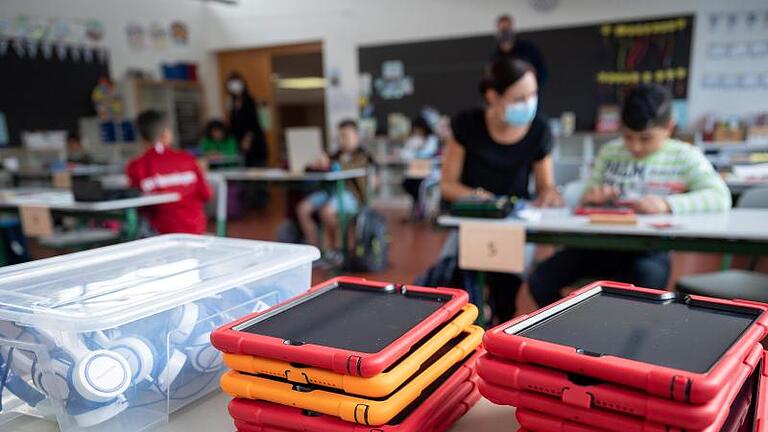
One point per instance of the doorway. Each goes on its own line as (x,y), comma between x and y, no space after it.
(288,84)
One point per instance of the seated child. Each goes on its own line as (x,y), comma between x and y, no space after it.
(654,172)
(218,141)
(422,144)
(326,203)
(162,169)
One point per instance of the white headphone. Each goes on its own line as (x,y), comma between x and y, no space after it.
(91,374)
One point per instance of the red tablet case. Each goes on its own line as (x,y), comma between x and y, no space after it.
(560,416)
(609,396)
(660,381)
(338,360)
(761,415)
(543,423)
(437,413)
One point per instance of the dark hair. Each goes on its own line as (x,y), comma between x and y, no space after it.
(503,73)
(151,124)
(348,123)
(73,136)
(647,106)
(213,125)
(420,123)
(504,17)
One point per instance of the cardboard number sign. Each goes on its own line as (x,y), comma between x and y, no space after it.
(492,247)
(62,180)
(36,221)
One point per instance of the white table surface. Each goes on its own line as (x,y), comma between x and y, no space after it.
(64,200)
(210,415)
(277,174)
(738,185)
(737,224)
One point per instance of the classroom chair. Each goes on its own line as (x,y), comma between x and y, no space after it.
(729,284)
(572,192)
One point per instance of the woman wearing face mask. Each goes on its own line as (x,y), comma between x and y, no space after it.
(244,121)
(493,152)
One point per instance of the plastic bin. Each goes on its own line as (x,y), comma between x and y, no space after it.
(115,339)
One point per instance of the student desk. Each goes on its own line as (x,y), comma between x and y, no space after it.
(743,231)
(739,231)
(210,414)
(40,176)
(277,175)
(216,181)
(62,202)
(739,185)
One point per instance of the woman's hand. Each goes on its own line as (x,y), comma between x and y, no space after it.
(482,193)
(600,195)
(652,204)
(245,143)
(549,197)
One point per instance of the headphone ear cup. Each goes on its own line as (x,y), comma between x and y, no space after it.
(176,362)
(101,376)
(140,354)
(203,356)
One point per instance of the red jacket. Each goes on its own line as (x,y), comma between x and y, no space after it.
(162,169)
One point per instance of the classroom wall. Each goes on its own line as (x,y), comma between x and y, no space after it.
(343,25)
(116,14)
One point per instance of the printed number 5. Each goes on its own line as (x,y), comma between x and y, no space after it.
(492,251)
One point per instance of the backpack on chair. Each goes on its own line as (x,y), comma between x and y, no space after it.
(371,243)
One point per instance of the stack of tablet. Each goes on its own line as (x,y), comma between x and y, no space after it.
(354,355)
(613,357)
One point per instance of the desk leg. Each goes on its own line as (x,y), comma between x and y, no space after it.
(478,297)
(131,224)
(4,244)
(727,262)
(342,217)
(221,209)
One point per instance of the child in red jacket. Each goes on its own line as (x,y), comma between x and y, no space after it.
(163,169)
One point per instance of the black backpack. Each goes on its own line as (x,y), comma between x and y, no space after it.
(371,249)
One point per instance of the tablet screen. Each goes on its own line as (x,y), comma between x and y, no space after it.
(348,316)
(661,330)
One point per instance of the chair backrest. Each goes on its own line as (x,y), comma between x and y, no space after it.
(756,197)
(572,192)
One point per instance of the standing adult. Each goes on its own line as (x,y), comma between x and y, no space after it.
(244,121)
(508,45)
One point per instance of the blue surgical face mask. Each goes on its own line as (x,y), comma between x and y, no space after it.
(521,113)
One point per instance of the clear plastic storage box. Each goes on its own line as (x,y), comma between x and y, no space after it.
(115,339)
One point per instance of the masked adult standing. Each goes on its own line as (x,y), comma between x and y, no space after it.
(494,150)
(244,121)
(508,45)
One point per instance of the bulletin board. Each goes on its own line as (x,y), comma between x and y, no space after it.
(47,87)
(589,66)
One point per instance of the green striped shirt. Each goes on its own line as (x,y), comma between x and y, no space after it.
(678,171)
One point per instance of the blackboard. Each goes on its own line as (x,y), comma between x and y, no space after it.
(446,72)
(47,87)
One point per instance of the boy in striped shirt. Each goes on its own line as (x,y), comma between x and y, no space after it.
(653,172)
